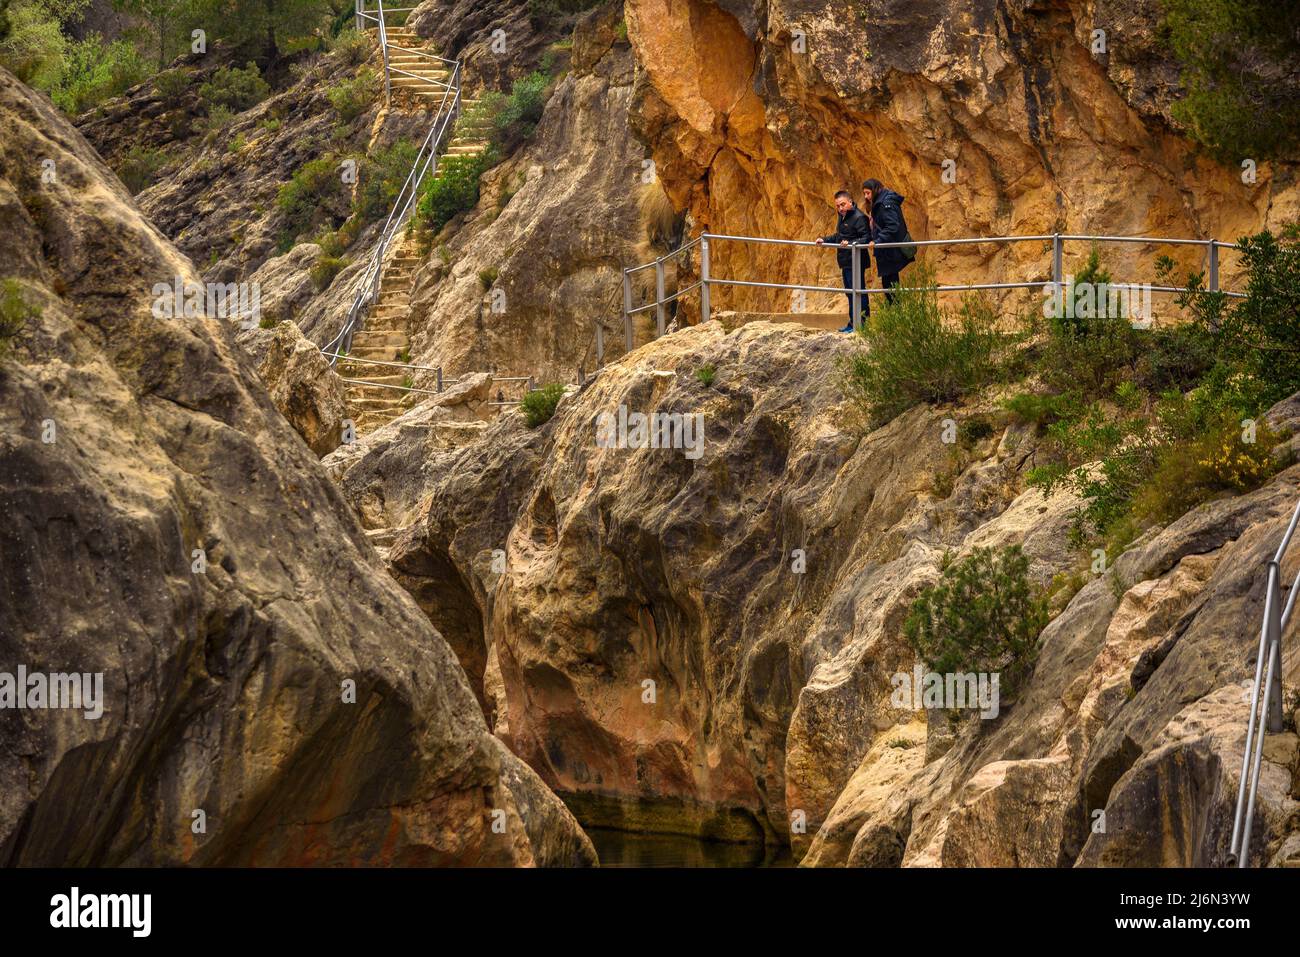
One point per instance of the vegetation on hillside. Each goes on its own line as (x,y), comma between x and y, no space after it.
(983,615)
(37,42)
(1241,70)
(539,404)
(919,352)
(15,311)
(1142,423)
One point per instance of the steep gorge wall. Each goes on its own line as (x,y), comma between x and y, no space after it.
(762,587)
(752,136)
(127,442)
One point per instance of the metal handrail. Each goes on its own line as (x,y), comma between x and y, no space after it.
(425,162)
(706,281)
(1265,698)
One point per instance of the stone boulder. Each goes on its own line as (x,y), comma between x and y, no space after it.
(300,382)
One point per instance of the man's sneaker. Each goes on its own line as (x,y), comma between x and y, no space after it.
(848,328)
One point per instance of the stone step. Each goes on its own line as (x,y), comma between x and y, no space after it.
(379,374)
(370,407)
(372,338)
(401,81)
(381,537)
(382,353)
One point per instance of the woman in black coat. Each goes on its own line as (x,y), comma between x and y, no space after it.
(887,226)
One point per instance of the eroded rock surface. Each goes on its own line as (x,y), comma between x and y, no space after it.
(641,632)
(226,689)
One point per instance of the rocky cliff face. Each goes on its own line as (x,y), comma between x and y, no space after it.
(555,226)
(992,118)
(715,637)
(270,695)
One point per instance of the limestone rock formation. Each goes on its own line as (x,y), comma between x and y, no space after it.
(300,383)
(718,634)
(167,530)
(556,224)
(991,118)
(385,473)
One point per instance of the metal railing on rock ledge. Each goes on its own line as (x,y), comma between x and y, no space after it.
(704,281)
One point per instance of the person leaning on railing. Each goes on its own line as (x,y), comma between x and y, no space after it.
(887,226)
(853,227)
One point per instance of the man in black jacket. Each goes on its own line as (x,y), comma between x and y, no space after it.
(887,226)
(853,228)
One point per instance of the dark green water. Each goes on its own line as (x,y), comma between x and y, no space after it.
(624,849)
(656,832)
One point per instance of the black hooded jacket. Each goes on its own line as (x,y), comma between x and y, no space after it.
(854,227)
(888,226)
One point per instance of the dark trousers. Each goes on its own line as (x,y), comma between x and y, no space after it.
(865,284)
(889,281)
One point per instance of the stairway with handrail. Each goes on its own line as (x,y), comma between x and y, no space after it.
(371,350)
(1266,715)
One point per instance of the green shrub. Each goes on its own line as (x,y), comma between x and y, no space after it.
(1041,410)
(235,89)
(352,47)
(705,374)
(95,71)
(539,405)
(313,193)
(325,269)
(35,46)
(1239,68)
(138,166)
(520,111)
(218,118)
(15,311)
(351,98)
(984,615)
(913,355)
(1090,349)
(382,177)
(1257,338)
(488,277)
(172,84)
(453,191)
(1214,463)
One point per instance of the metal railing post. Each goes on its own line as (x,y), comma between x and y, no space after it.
(1058,271)
(360,5)
(660,306)
(855,302)
(439,378)
(1274,702)
(627,309)
(600,344)
(1214,266)
(705,307)
(383,46)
